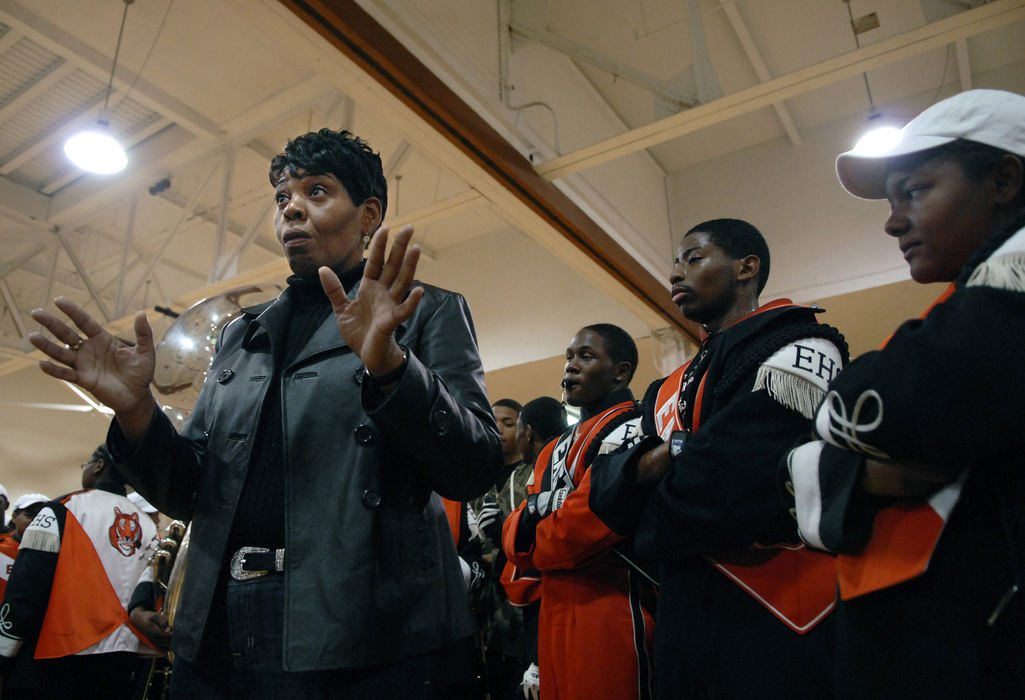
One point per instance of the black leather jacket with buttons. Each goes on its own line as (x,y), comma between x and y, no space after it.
(371,573)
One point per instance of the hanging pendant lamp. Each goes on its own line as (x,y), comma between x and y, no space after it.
(95,149)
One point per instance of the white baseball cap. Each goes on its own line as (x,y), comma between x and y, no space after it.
(3,492)
(992,117)
(29,499)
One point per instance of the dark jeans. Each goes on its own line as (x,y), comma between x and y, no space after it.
(242,658)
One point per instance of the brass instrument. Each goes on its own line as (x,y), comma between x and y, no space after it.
(168,564)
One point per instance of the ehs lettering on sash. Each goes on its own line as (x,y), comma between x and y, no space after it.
(814,359)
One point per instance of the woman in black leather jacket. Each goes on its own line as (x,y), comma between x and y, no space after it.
(309,466)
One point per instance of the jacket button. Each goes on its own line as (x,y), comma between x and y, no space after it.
(364,434)
(441,421)
(371,499)
(225,375)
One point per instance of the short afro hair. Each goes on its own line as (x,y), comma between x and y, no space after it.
(738,239)
(546,416)
(618,344)
(102,454)
(338,153)
(508,403)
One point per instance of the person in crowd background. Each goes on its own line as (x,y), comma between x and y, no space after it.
(916,481)
(501,625)
(743,606)
(24,510)
(64,629)
(507,412)
(320,560)
(5,502)
(8,545)
(595,627)
(541,421)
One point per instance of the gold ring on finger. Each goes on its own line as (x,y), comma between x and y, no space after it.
(76,346)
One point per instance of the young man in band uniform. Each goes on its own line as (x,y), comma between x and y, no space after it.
(743,606)
(917,481)
(595,628)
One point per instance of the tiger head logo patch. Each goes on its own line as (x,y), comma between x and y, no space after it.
(126,532)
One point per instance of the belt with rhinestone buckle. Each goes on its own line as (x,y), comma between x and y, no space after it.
(253,562)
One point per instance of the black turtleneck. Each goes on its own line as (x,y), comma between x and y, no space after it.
(260,514)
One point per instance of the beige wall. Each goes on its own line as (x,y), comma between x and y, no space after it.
(541,378)
(868,317)
(865,318)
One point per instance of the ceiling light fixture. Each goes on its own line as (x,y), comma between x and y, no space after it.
(880,139)
(94,149)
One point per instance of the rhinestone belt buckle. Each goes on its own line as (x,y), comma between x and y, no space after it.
(238,559)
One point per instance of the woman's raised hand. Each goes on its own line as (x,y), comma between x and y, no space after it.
(116,373)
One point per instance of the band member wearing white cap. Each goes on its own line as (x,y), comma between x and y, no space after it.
(24,509)
(5,502)
(917,480)
(10,534)
(64,629)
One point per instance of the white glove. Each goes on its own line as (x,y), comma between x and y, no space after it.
(489,515)
(531,684)
(550,501)
(473,522)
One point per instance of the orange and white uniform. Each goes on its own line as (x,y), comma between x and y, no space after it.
(77,566)
(596,630)
(8,551)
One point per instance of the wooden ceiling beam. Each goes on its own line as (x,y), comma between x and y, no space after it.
(897,48)
(357,36)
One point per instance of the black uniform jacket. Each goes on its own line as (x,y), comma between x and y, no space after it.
(371,572)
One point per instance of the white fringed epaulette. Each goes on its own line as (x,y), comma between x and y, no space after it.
(627,433)
(796,375)
(43,534)
(1006,272)
(1005,268)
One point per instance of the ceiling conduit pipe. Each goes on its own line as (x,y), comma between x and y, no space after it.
(503,77)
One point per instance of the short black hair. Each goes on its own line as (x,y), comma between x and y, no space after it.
(102,454)
(31,510)
(738,239)
(508,403)
(338,153)
(546,416)
(110,471)
(618,344)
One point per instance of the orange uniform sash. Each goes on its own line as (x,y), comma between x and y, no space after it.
(904,536)
(69,626)
(794,583)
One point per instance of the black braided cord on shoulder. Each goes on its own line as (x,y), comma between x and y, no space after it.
(595,444)
(756,355)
